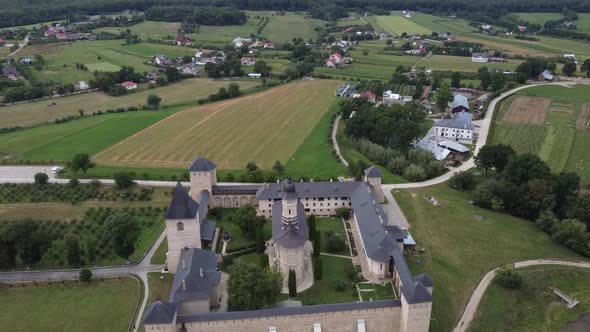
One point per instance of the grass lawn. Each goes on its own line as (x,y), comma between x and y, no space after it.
(313,158)
(350,154)
(159,256)
(61,58)
(323,291)
(238,240)
(335,226)
(539,18)
(232,132)
(557,141)
(459,250)
(396,24)
(98,306)
(184,92)
(160,285)
(377,292)
(283,28)
(534,307)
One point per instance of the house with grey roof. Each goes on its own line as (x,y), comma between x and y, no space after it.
(460,103)
(439,153)
(546,75)
(459,127)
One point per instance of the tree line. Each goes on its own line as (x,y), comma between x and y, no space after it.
(197,15)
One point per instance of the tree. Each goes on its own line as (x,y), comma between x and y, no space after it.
(508,277)
(278,167)
(123,230)
(311,225)
(246,219)
(81,161)
(498,82)
(73,250)
(569,68)
(259,240)
(317,244)
(292,283)
(7,251)
(494,156)
(443,97)
(525,167)
(586,67)
(343,213)
(573,234)
(252,287)
(456,79)
(335,243)
(85,275)
(261,67)
(318,268)
(172,74)
(485,77)
(251,167)
(123,180)
(41,179)
(153,101)
(233,90)
(462,181)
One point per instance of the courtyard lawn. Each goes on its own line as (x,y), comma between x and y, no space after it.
(184,92)
(232,132)
(558,141)
(323,291)
(97,306)
(160,285)
(61,58)
(376,292)
(314,157)
(334,226)
(459,249)
(159,256)
(534,307)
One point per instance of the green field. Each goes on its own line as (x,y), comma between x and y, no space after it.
(583,23)
(62,57)
(534,307)
(396,24)
(184,92)
(563,147)
(284,28)
(102,66)
(98,306)
(539,18)
(232,132)
(459,249)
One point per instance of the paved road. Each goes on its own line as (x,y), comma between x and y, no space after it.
(477,295)
(27,173)
(21,46)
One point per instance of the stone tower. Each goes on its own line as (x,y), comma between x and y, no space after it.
(203,176)
(183,227)
(374,178)
(290,248)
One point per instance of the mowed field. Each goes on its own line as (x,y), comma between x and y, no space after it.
(396,24)
(551,121)
(186,91)
(263,128)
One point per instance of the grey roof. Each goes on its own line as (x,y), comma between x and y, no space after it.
(479,54)
(292,234)
(373,172)
(236,189)
(309,189)
(203,207)
(6,71)
(451,145)
(289,191)
(188,283)
(460,100)
(288,311)
(424,279)
(547,74)
(419,294)
(161,312)
(461,120)
(207,230)
(431,146)
(182,205)
(202,164)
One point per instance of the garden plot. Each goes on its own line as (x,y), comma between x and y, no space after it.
(528,110)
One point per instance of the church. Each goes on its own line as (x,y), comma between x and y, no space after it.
(195,297)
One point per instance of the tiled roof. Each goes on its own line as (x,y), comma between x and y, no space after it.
(182,205)
(202,164)
(373,172)
(460,100)
(189,283)
(461,120)
(161,313)
(291,235)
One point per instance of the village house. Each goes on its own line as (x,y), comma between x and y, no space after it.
(255,75)
(2,42)
(188,69)
(129,85)
(370,96)
(248,61)
(479,57)
(459,127)
(10,73)
(183,41)
(521,28)
(460,103)
(239,41)
(161,60)
(81,85)
(427,144)
(269,45)
(390,98)
(546,75)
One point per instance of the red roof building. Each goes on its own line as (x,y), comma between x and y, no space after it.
(371,97)
(183,41)
(61,36)
(269,44)
(2,42)
(335,58)
(129,85)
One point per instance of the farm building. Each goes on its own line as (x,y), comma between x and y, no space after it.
(10,73)
(255,75)
(458,127)
(248,61)
(129,85)
(479,57)
(269,45)
(496,59)
(431,146)
(81,85)
(189,69)
(390,98)
(183,41)
(546,75)
(380,247)
(460,104)
(346,91)
(455,147)
(370,96)
(161,60)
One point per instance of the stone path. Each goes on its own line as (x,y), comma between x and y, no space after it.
(334,255)
(471,308)
(335,141)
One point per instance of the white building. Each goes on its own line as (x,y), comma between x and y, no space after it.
(459,127)
(479,57)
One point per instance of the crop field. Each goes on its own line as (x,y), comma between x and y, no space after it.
(528,110)
(282,28)
(263,128)
(61,58)
(539,18)
(102,66)
(186,91)
(561,138)
(583,22)
(147,29)
(396,24)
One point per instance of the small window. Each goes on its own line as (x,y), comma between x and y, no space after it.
(179,226)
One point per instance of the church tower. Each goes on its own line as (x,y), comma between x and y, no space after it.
(203,176)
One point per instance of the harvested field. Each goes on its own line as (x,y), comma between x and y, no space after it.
(263,128)
(529,110)
(583,120)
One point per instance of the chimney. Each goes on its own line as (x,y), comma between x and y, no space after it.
(201,272)
(331,180)
(266,185)
(183,284)
(183,264)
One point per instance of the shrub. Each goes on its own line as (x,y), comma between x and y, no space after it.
(340,285)
(41,179)
(415,173)
(123,179)
(343,213)
(73,182)
(292,283)
(335,243)
(318,268)
(462,181)
(508,277)
(85,275)
(353,274)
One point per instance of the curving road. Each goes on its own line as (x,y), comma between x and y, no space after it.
(477,295)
